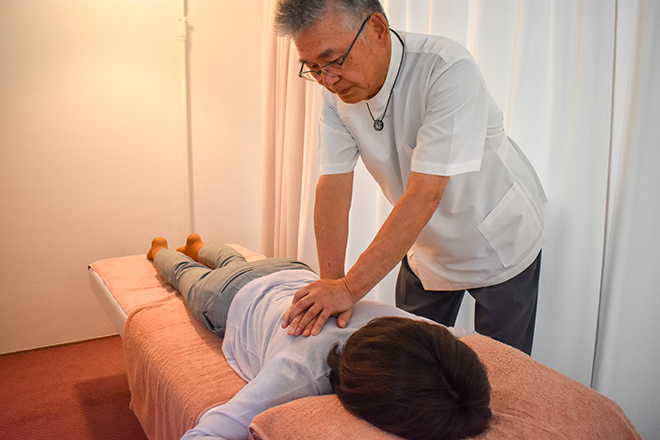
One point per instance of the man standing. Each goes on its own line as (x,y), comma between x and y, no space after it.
(466,202)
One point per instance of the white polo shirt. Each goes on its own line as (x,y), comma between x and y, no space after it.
(442,121)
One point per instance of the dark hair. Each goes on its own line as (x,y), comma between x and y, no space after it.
(293,17)
(413,379)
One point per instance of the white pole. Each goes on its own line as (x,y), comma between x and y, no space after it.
(188,165)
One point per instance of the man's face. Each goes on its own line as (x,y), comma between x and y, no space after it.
(364,71)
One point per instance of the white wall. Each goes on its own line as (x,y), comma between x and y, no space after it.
(92,150)
(226,110)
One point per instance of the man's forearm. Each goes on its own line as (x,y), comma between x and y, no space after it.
(333,202)
(397,235)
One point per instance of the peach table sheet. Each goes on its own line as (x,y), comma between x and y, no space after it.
(176,370)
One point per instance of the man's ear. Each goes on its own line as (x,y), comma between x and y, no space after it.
(380,28)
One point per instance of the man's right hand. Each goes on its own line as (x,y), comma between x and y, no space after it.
(315,303)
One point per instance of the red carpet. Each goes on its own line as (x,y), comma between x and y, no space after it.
(78,391)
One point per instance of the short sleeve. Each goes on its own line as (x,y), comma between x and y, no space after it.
(338,150)
(452,135)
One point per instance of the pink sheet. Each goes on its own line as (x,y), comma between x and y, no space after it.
(176,370)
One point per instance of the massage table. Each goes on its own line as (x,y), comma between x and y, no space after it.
(176,371)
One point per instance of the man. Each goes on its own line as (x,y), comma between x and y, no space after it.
(466,202)
(411,360)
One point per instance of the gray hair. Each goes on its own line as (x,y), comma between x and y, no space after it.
(293,17)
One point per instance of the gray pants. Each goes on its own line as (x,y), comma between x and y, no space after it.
(505,312)
(209,286)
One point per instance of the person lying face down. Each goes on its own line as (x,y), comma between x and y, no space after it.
(404,374)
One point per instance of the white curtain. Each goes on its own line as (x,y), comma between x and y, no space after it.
(284,131)
(627,355)
(577,83)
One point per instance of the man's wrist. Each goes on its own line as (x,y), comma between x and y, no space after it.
(351,295)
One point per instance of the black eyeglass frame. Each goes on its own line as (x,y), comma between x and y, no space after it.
(339,64)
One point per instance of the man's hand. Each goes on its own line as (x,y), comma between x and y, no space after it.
(315,303)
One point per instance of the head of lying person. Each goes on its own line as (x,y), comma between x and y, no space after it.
(413,379)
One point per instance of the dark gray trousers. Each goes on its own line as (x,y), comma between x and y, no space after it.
(505,312)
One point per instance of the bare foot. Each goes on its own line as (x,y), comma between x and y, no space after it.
(157,244)
(193,244)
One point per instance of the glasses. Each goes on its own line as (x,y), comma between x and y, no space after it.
(332,68)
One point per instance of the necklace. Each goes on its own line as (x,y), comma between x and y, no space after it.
(378,123)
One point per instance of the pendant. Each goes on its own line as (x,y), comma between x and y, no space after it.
(378,124)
